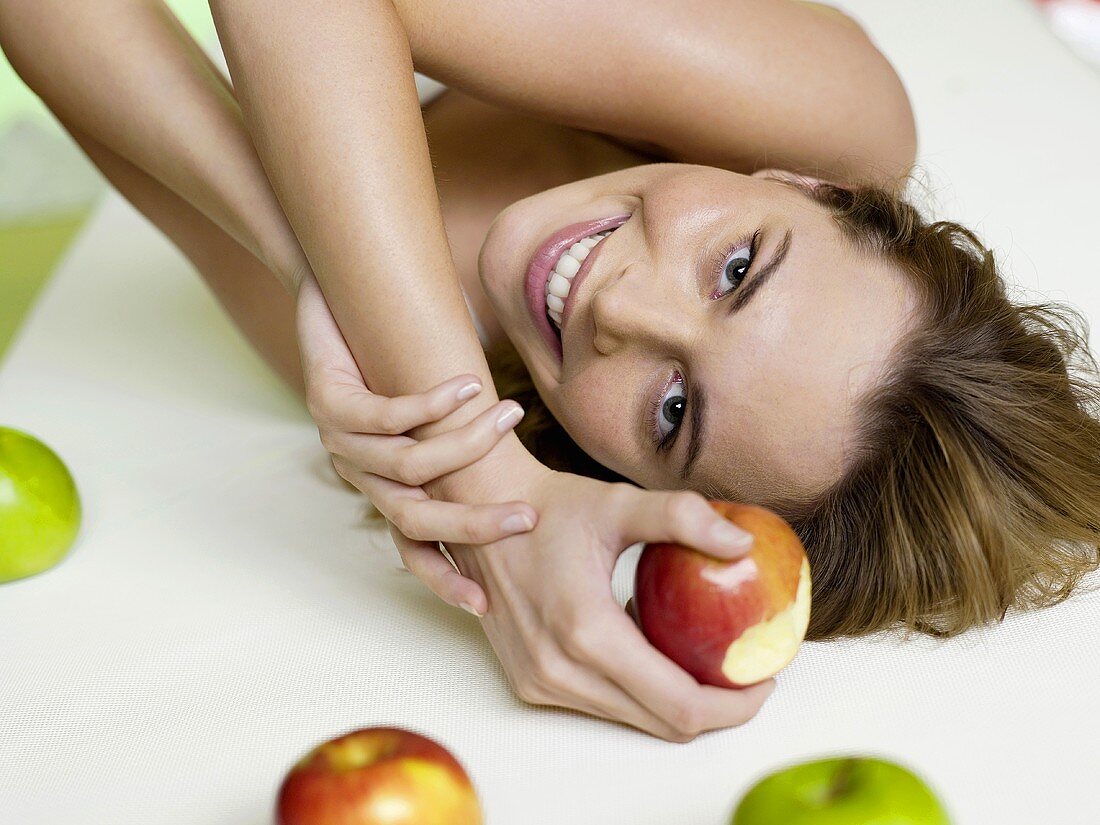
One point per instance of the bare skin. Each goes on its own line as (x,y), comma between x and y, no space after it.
(485,158)
(316,159)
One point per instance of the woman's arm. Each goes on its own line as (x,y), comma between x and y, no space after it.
(125,74)
(131,80)
(329,98)
(554,610)
(739,84)
(328,94)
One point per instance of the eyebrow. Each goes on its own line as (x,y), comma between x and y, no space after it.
(738,301)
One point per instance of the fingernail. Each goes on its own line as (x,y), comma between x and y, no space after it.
(509,418)
(726,533)
(469,609)
(469,391)
(516,522)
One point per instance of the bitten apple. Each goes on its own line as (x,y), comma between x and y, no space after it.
(728,623)
(378,776)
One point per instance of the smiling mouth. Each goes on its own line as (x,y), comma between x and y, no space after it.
(555,271)
(562,275)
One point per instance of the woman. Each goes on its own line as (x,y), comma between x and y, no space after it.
(804,341)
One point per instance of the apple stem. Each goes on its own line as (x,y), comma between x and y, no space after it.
(842,780)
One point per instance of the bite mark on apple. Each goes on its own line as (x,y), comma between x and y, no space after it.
(766,648)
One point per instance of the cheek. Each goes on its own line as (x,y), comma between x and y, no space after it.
(500,250)
(595,413)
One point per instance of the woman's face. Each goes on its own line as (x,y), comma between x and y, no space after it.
(716,340)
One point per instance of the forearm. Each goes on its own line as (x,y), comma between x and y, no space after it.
(328,94)
(329,97)
(126,74)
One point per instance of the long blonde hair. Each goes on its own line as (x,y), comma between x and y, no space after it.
(975,483)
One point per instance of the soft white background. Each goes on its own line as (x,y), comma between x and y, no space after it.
(225,608)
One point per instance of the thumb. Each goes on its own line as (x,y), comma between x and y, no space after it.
(683,517)
(320,342)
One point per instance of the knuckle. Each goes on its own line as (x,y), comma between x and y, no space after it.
(406,516)
(622,495)
(550,673)
(388,423)
(314,404)
(526,691)
(329,440)
(680,738)
(437,407)
(682,506)
(480,529)
(321,405)
(582,640)
(409,468)
(340,466)
(686,721)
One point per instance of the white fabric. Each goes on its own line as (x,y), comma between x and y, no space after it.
(225,608)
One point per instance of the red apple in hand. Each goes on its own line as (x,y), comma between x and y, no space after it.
(378,776)
(729,624)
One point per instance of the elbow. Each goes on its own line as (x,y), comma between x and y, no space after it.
(17,27)
(894,123)
(887,133)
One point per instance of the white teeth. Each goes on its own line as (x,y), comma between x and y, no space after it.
(558,285)
(561,279)
(567,266)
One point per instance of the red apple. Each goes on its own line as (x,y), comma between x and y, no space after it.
(727,623)
(378,776)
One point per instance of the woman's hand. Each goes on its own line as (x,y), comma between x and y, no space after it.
(553,621)
(363,432)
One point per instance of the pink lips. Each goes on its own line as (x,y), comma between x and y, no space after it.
(542,264)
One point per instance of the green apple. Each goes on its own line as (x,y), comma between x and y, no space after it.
(39,506)
(841,791)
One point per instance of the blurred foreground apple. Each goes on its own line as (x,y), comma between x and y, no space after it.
(378,776)
(841,791)
(729,624)
(39,506)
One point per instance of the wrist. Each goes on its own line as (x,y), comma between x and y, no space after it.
(508,472)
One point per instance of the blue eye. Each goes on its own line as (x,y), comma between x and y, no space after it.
(734,264)
(668,409)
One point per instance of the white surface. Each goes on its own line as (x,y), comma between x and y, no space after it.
(225,609)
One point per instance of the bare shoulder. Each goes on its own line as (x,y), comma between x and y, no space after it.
(733,83)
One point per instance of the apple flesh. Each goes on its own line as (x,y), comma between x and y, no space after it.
(841,791)
(39,506)
(727,623)
(378,776)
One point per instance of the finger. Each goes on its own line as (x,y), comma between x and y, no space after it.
(358,410)
(425,561)
(669,692)
(422,519)
(683,517)
(596,695)
(415,463)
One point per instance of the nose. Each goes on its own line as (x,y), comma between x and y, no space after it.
(635,310)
